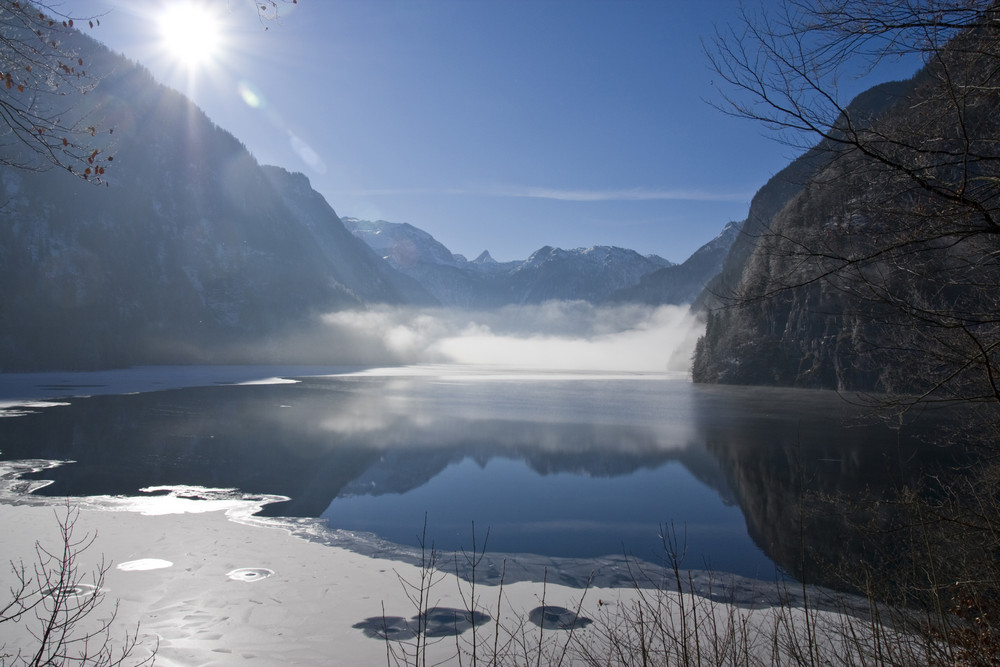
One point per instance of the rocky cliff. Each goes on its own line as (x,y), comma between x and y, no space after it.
(772,317)
(871,263)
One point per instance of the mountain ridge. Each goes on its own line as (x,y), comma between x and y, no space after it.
(597,274)
(193,251)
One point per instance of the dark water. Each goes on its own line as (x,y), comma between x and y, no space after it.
(560,465)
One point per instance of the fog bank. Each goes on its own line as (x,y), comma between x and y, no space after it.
(558,335)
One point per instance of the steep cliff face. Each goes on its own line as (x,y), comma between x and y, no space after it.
(193,248)
(783,326)
(881,272)
(779,313)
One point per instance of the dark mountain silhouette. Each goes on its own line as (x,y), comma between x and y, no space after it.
(193,248)
(802,338)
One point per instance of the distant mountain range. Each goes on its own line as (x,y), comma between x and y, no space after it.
(597,274)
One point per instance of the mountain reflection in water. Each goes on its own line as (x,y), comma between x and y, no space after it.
(579,466)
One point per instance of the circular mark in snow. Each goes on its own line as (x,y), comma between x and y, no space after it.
(250,574)
(74,591)
(144,564)
(435,622)
(551,617)
(448,621)
(386,627)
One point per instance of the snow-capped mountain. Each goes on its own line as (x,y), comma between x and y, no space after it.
(589,274)
(595,274)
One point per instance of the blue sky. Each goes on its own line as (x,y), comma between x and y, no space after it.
(500,125)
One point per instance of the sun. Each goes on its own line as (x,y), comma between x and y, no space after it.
(190,33)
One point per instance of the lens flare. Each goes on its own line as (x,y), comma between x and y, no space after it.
(190,34)
(248,93)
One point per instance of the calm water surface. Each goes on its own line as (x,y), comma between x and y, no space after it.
(578,465)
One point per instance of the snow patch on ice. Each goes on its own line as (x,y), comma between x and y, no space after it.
(18,408)
(26,391)
(143,564)
(273,380)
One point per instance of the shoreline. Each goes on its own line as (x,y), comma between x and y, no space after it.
(46,388)
(611,571)
(206,586)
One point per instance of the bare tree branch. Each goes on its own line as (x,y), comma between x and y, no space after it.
(60,604)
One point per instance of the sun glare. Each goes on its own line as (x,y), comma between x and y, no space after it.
(190,33)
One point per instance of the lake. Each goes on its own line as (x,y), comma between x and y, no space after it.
(569,465)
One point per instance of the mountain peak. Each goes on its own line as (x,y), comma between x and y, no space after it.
(484,258)
(590,274)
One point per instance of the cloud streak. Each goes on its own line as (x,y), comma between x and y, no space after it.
(560,194)
(628,194)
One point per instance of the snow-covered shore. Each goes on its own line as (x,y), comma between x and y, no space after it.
(182,577)
(205,585)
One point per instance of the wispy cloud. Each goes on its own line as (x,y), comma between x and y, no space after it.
(629,194)
(392,192)
(577,195)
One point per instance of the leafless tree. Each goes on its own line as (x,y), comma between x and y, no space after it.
(42,76)
(883,272)
(43,79)
(60,605)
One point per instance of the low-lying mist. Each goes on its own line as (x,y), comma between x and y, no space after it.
(557,335)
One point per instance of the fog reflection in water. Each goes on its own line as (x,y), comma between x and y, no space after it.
(566,465)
